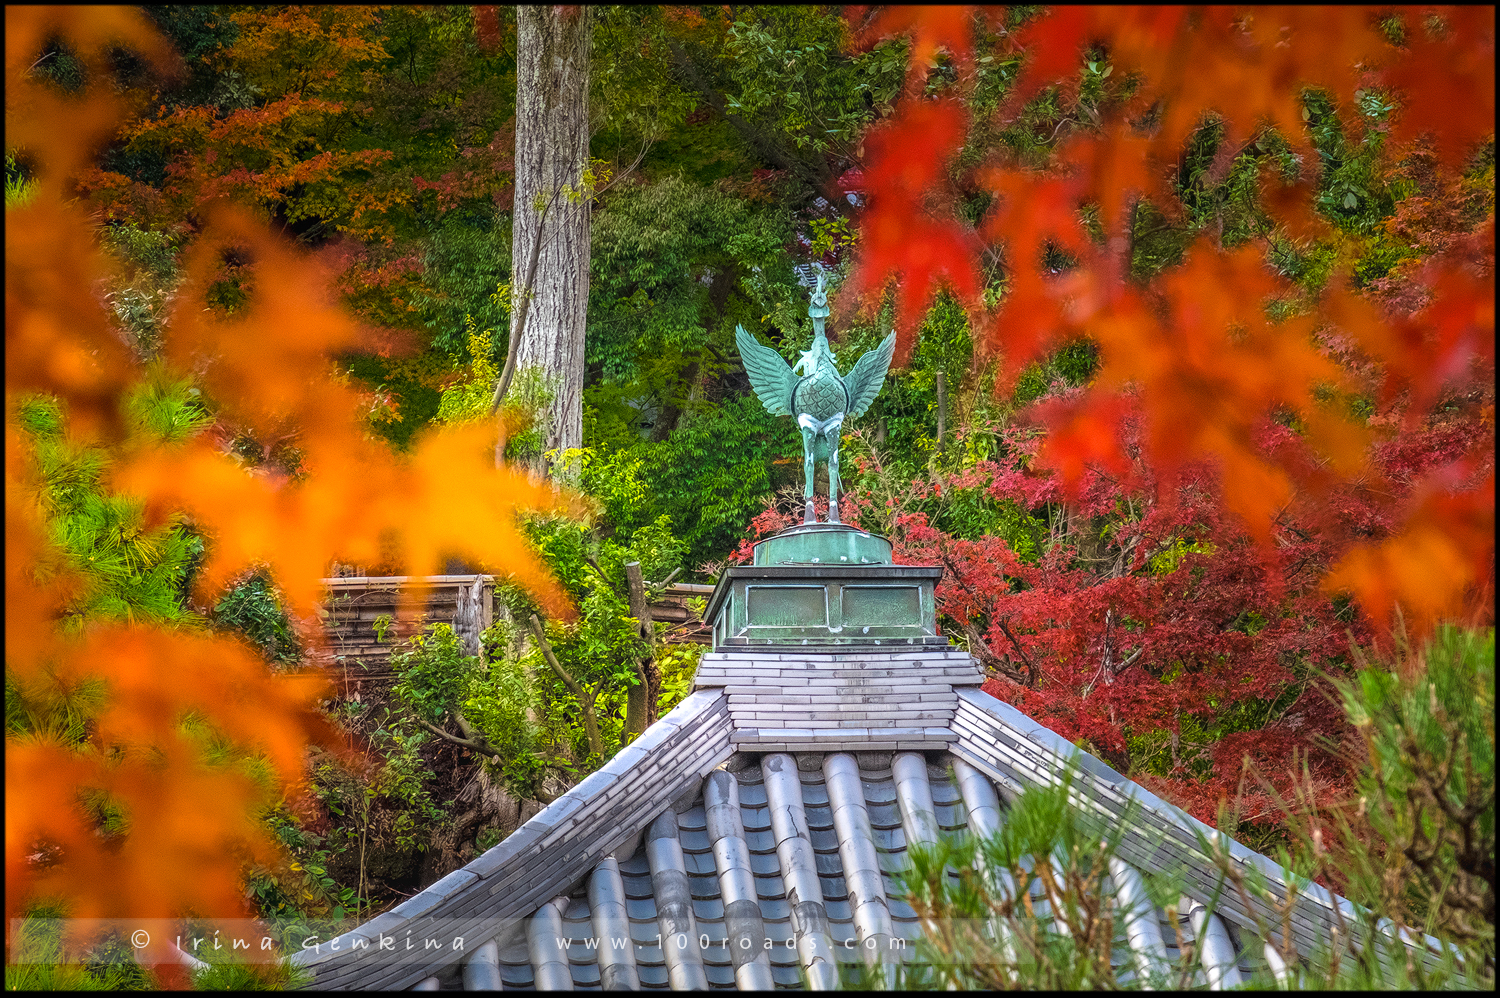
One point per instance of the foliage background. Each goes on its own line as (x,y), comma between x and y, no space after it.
(1091,251)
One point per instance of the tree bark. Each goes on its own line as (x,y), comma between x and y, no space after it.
(478,743)
(640,701)
(552,149)
(942,409)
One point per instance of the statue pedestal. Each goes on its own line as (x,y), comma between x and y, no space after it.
(824,584)
(823,544)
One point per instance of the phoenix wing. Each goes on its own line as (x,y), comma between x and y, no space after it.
(864,380)
(770,375)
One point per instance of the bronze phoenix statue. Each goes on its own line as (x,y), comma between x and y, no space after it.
(820,398)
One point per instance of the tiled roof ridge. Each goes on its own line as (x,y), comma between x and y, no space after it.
(843,698)
(1019,752)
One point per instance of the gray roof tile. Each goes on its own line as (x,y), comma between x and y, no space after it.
(703,887)
(720,975)
(516,976)
(786,976)
(765,863)
(773,909)
(828,862)
(760,840)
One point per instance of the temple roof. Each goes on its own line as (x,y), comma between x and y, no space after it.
(777,803)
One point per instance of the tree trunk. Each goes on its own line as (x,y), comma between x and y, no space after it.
(942,409)
(672,411)
(640,701)
(552,149)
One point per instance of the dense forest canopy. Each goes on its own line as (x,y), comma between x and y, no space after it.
(1193,398)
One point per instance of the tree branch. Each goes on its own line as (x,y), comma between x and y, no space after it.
(513,349)
(988,658)
(1031,682)
(585,702)
(481,745)
(639,698)
(1030,666)
(600,572)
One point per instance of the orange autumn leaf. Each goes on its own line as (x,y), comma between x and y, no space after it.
(1448,79)
(33,109)
(899,232)
(1025,329)
(1254,489)
(1345,444)
(1443,551)
(1193,344)
(1054,46)
(191,829)
(1291,206)
(932,29)
(360,503)
(487,26)
(269,360)
(1208,368)
(1250,66)
(57,339)
(1113,170)
(1033,211)
(149,767)
(1082,433)
(218,678)
(1424,351)
(1140,37)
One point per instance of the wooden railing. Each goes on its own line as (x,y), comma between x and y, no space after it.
(467,602)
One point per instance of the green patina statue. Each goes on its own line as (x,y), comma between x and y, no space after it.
(821,398)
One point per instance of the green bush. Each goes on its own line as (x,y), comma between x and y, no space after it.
(495,698)
(253,608)
(503,708)
(710,477)
(435,673)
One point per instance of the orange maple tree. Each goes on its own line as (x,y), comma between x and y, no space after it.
(191,824)
(1196,343)
(288,154)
